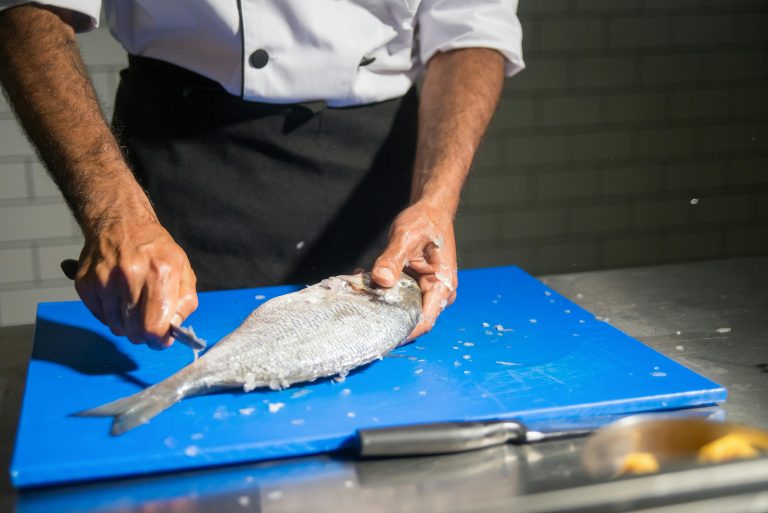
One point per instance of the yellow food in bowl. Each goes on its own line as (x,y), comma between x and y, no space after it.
(639,463)
(733,446)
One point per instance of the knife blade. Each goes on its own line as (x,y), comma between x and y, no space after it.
(451,437)
(186,336)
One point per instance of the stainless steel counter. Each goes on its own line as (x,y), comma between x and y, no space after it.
(711,316)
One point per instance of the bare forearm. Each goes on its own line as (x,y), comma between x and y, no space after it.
(460,93)
(133,277)
(48,85)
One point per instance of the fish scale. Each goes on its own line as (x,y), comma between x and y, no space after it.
(324,330)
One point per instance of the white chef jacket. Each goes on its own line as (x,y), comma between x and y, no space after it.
(345,52)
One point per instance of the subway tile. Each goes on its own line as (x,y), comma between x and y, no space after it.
(746,240)
(20,306)
(98,47)
(30,222)
(660,213)
(702,103)
(50,258)
(477,227)
(533,223)
(513,113)
(752,27)
(666,5)
(637,107)
(496,189)
(693,176)
(16,265)
(705,29)
(737,64)
(602,145)
(604,71)
(632,251)
(669,69)
(752,101)
(13,181)
(42,184)
(598,218)
(4,105)
(571,34)
(699,139)
(574,110)
(693,246)
(490,154)
(725,208)
(549,7)
(569,257)
(639,32)
(631,180)
(566,184)
(538,149)
(541,74)
(13,141)
(748,171)
(102,83)
(604,6)
(523,257)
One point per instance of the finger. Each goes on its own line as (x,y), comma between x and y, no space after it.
(386,269)
(187,300)
(132,286)
(90,299)
(110,305)
(161,297)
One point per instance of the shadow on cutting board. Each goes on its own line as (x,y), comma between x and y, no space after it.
(81,350)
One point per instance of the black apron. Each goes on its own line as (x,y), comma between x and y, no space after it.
(262,194)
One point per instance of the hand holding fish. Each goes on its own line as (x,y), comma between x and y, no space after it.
(422,240)
(135,279)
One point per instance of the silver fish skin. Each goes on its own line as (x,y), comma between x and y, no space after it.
(324,330)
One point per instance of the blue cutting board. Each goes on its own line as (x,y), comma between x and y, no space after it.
(509,347)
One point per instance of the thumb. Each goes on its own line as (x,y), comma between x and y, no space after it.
(386,269)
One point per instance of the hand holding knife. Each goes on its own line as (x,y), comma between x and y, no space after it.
(184,335)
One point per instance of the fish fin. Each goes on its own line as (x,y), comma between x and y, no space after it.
(135,410)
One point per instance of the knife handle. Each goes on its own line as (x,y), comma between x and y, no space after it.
(438,437)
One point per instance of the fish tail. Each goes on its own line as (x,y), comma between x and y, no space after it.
(137,409)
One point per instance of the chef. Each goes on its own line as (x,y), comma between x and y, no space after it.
(257,142)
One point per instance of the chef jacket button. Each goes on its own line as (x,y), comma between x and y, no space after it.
(259,58)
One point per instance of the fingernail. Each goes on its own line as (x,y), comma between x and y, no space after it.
(176,320)
(386,274)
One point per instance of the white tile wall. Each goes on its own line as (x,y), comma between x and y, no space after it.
(628,109)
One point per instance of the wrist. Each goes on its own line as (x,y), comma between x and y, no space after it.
(118,201)
(437,197)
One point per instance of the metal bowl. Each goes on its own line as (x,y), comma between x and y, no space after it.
(673,441)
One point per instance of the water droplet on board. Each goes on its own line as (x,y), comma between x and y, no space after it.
(300,244)
(276,407)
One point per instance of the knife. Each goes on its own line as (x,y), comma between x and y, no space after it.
(451,437)
(184,335)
